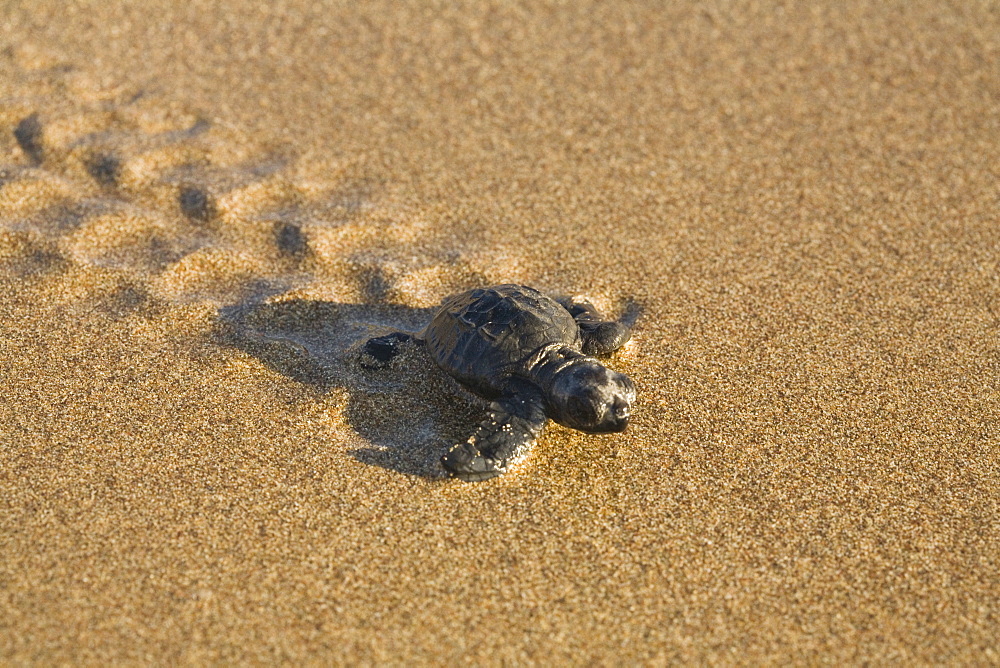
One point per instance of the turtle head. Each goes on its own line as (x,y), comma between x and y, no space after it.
(588,396)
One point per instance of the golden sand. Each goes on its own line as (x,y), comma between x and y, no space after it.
(204,206)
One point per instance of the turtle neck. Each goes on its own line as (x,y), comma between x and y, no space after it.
(549,360)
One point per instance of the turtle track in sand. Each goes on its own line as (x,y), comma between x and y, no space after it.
(121,201)
(192,211)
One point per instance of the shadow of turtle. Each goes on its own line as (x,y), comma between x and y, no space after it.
(631,313)
(410,412)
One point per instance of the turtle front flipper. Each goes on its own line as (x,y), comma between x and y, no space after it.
(600,336)
(514,422)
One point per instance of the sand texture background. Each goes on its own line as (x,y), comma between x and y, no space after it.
(206,206)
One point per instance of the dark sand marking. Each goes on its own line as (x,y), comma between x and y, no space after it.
(29,137)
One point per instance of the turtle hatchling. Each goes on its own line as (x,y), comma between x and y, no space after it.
(531,356)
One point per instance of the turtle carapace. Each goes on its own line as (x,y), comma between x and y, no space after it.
(531,356)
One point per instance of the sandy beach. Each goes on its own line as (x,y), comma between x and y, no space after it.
(206,207)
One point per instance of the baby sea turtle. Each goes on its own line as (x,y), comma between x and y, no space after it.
(528,354)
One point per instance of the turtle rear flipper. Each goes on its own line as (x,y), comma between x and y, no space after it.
(377,353)
(600,336)
(514,422)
